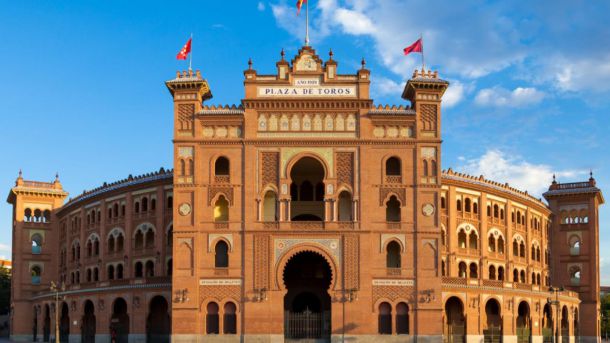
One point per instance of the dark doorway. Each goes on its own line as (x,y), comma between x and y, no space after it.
(307,305)
(35,326)
(158,324)
(493,332)
(88,323)
(524,324)
(119,322)
(307,190)
(454,329)
(64,324)
(46,327)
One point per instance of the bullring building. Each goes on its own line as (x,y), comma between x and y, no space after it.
(306,213)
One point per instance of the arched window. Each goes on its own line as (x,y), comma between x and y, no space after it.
(392,166)
(574,245)
(425,165)
(170,202)
(522,249)
(36,273)
(46,216)
(500,245)
(502,213)
(492,272)
(443,202)
(37,215)
(392,210)
(182,168)
(221,209)
(462,239)
(496,211)
(150,238)
(501,273)
(306,191)
(294,192)
(150,269)
(538,279)
(139,240)
(533,280)
(89,248)
(119,271)
(319,192)
(515,248)
(139,269)
(27,215)
(467,206)
(345,207)
(475,208)
(491,244)
(522,276)
(462,270)
(533,253)
(270,207)
(144,204)
(221,257)
(443,268)
(575,275)
(459,205)
(488,210)
(110,272)
(473,240)
(153,204)
(515,275)
(211,319)
(88,277)
(115,210)
(474,271)
(36,243)
(393,255)
(221,167)
(170,267)
(96,274)
(402,319)
(229,320)
(385,319)
(137,207)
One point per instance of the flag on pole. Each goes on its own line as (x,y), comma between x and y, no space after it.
(299,5)
(415,47)
(186,49)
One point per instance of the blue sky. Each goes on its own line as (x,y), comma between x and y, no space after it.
(83,93)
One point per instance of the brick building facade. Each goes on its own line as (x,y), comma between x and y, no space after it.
(306,212)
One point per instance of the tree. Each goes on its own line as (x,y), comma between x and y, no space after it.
(605,309)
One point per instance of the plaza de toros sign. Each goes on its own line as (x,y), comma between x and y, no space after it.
(309,87)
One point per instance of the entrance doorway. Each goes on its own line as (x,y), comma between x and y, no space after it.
(119,322)
(454,328)
(88,323)
(64,324)
(307,305)
(158,324)
(46,328)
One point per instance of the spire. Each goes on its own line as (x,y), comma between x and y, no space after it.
(250,64)
(363,62)
(330,55)
(20,174)
(282,53)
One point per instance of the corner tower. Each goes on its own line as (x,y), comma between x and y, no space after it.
(574,235)
(35,238)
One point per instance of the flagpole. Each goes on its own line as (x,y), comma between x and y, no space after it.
(306,23)
(191,54)
(423,64)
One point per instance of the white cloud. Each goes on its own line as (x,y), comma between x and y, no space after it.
(383,86)
(498,166)
(501,97)
(354,22)
(575,75)
(260,6)
(5,248)
(456,93)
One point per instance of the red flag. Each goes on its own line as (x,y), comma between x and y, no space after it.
(186,49)
(299,5)
(415,47)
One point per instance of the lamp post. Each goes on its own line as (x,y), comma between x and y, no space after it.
(556,291)
(56,290)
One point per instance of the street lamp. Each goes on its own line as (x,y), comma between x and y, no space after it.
(556,291)
(56,290)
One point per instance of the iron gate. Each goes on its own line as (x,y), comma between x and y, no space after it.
(307,325)
(455,333)
(547,335)
(493,334)
(524,335)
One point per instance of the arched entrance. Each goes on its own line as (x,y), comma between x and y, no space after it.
(46,326)
(35,325)
(158,324)
(493,332)
(307,190)
(547,324)
(454,327)
(88,323)
(64,324)
(524,323)
(307,277)
(119,322)
(565,325)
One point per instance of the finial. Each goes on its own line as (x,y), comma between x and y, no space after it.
(250,64)
(591,173)
(282,54)
(57,176)
(330,54)
(20,173)
(363,62)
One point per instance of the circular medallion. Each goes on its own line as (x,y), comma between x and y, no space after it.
(184,209)
(428,210)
